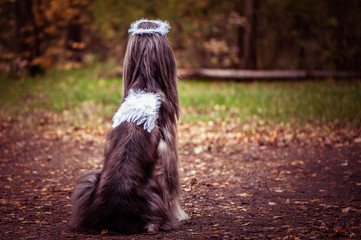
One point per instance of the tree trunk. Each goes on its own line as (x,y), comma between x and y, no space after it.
(346,52)
(240,29)
(26,42)
(250,37)
(75,41)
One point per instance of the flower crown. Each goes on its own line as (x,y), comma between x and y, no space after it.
(163,27)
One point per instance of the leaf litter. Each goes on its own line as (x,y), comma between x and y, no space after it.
(241,180)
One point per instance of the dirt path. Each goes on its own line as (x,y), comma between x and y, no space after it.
(239,181)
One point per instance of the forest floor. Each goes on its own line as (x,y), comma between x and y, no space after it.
(241,180)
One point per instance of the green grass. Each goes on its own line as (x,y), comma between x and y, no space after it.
(321,101)
(82,94)
(78,93)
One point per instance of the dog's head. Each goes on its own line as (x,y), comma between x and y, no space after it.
(149,62)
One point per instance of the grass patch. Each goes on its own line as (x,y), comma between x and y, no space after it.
(82,94)
(78,93)
(321,101)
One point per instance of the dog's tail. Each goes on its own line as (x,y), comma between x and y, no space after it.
(82,200)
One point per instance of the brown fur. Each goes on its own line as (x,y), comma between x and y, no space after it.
(138,188)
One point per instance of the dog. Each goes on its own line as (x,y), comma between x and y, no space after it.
(138,189)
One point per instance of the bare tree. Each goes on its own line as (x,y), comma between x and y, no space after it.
(26,43)
(250,36)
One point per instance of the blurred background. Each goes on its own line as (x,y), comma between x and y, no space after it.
(237,34)
(66,56)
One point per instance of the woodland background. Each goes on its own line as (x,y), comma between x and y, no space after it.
(240,34)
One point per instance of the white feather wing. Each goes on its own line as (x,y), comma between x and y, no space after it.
(139,107)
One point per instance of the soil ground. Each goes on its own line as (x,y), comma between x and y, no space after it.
(237,184)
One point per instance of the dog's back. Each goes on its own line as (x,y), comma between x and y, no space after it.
(125,196)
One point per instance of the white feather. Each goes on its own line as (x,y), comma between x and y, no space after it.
(139,107)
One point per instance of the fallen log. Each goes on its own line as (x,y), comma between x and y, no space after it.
(262,74)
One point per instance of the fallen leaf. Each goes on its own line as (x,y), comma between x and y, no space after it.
(348,209)
(244,195)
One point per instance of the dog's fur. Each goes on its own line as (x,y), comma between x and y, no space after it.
(138,188)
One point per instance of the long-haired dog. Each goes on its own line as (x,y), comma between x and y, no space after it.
(138,188)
